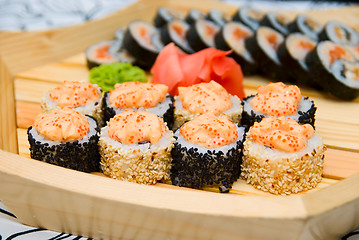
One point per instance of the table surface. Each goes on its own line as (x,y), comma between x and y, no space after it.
(42,15)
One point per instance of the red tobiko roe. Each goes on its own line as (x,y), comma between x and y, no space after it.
(175,68)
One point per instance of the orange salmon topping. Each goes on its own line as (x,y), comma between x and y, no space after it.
(130,127)
(137,94)
(282,134)
(74,94)
(277,99)
(62,125)
(205,97)
(210,131)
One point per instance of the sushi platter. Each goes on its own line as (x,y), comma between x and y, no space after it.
(93,205)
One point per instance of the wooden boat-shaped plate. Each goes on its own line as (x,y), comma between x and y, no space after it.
(92,205)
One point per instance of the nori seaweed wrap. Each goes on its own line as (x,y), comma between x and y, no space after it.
(78,154)
(306,25)
(175,31)
(201,34)
(101,53)
(197,166)
(165,15)
(193,15)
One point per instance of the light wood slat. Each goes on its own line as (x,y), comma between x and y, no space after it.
(26,113)
(56,72)
(79,59)
(30,90)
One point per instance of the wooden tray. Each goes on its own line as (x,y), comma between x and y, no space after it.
(91,205)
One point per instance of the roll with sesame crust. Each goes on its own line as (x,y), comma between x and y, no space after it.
(136,147)
(281,156)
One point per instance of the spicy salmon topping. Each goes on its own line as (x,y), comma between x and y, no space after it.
(205,97)
(62,125)
(282,134)
(210,131)
(137,94)
(74,94)
(130,127)
(277,99)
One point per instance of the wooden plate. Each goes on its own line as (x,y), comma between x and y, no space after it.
(91,205)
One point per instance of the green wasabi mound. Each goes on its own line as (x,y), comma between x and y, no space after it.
(107,75)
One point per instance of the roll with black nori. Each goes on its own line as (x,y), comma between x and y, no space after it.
(101,53)
(306,25)
(292,53)
(142,41)
(276,21)
(193,15)
(321,64)
(79,154)
(249,17)
(196,166)
(339,33)
(175,31)
(232,37)
(218,17)
(201,34)
(263,46)
(278,100)
(165,15)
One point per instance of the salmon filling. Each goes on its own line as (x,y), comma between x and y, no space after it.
(205,97)
(62,125)
(277,99)
(74,94)
(282,134)
(137,94)
(209,131)
(130,127)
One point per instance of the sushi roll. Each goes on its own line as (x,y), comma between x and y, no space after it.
(232,37)
(292,53)
(193,15)
(83,97)
(307,26)
(142,41)
(283,157)
(218,17)
(321,61)
(101,53)
(203,98)
(175,31)
(263,46)
(139,96)
(278,99)
(166,15)
(201,34)
(207,152)
(339,33)
(277,22)
(66,138)
(249,17)
(136,147)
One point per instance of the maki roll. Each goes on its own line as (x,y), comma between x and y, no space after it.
(281,156)
(207,152)
(306,25)
(263,46)
(66,138)
(249,17)
(201,34)
(278,99)
(292,53)
(142,41)
(101,53)
(339,33)
(175,31)
(166,15)
(218,17)
(276,21)
(232,37)
(83,97)
(136,147)
(139,96)
(321,61)
(193,15)
(203,98)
